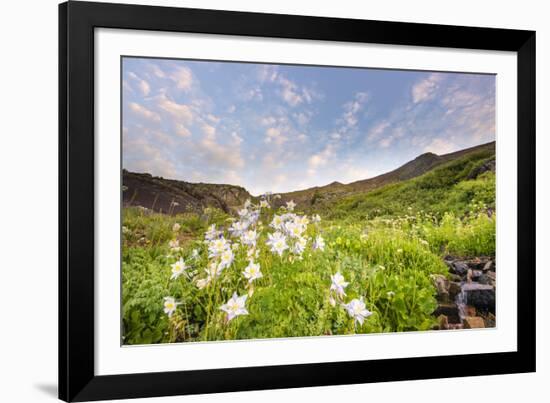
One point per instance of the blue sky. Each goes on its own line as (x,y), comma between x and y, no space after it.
(282,128)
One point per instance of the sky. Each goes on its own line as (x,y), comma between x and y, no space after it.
(288,127)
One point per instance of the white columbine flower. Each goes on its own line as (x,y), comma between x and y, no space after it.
(170,305)
(226,259)
(176,227)
(299,246)
(243,212)
(235,306)
(178,269)
(212,233)
(293,229)
(277,241)
(290,205)
(319,243)
(252,271)
(218,246)
(264,203)
(338,284)
(357,310)
(249,237)
(302,220)
(277,222)
(238,227)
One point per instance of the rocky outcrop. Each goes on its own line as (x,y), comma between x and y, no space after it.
(466,296)
(173,197)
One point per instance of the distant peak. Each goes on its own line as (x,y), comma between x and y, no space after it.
(427,155)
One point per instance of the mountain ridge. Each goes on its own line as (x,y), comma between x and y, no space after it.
(174,196)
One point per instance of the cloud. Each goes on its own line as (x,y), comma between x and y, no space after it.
(274,135)
(181,130)
(268,73)
(179,111)
(440,146)
(320,159)
(353,107)
(157,71)
(268,121)
(142,155)
(290,92)
(303,118)
(378,130)
(208,130)
(254,94)
(350,116)
(183,77)
(142,85)
(143,112)
(237,140)
(213,118)
(218,155)
(425,89)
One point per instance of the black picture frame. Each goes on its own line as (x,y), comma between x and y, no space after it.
(77,21)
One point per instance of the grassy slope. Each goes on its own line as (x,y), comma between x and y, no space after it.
(444,189)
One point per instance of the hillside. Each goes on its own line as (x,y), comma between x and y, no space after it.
(309,198)
(172,196)
(450,187)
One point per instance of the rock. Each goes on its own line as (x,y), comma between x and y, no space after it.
(476,274)
(469,310)
(454,289)
(480,296)
(455,277)
(475,263)
(459,267)
(489,266)
(442,285)
(473,322)
(489,165)
(490,320)
(488,278)
(449,310)
(443,322)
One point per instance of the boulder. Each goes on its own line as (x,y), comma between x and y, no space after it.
(442,286)
(469,310)
(454,289)
(480,296)
(473,322)
(449,310)
(476,274)
(489,266)
(488,277)
(490,320)
(443,322)
(455,277)
(459,267)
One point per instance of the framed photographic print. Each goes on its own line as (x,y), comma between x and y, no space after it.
(258,201)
